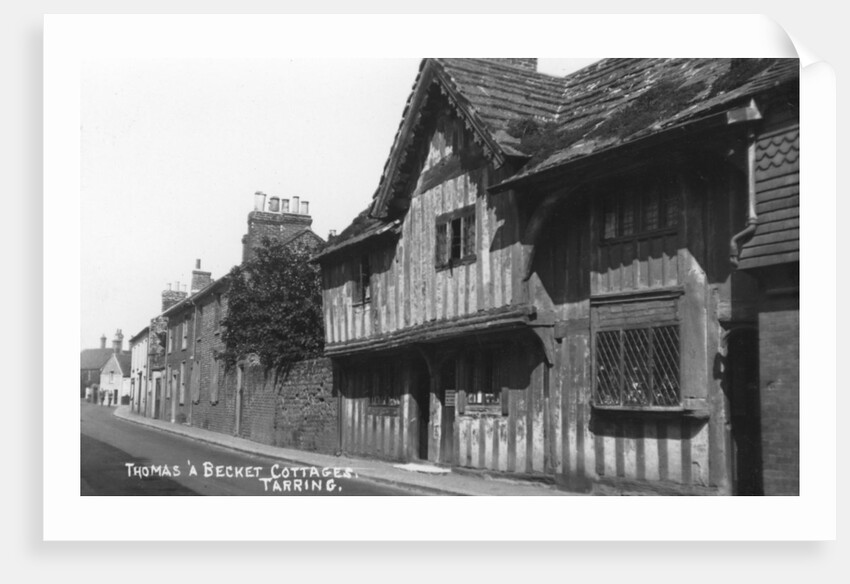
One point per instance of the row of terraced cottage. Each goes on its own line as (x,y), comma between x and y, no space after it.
(592,278)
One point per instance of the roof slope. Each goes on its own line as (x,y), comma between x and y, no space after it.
(94,358)
(124,363)
(544,122)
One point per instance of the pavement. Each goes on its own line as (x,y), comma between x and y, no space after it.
(422,478)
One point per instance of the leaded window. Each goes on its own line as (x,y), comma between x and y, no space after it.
(632,213)
(637,367)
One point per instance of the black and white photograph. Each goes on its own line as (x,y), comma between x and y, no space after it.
(562,282)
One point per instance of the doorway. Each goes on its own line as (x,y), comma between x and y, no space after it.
(742,375)
(423,406)
(157,396)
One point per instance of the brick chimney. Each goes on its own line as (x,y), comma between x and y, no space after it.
(118,341)
(200,279)
(527,64)
(279,221)
(171,297)
(102,341)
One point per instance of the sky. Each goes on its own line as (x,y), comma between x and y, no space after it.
(172,152)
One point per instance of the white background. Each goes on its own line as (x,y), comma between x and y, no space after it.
(247,518)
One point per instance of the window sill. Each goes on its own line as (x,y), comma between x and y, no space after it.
(361,304)
(483,410)
(638,236)
(457,263)
(668,411)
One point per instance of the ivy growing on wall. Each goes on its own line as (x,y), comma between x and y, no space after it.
(274,308)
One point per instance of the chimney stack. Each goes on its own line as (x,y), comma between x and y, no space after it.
(102,341)
(118,341)
(200,279)
(171,296)
(283,219)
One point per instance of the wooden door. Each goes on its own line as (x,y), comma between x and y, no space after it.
(447,396)
(157,384)
(743,385)
(423,406)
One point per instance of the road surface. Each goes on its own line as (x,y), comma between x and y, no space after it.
(118,457)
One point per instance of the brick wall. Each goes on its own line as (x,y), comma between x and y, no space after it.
(272,225)
(295,410)
(213,410)
(306,414)
(779,347)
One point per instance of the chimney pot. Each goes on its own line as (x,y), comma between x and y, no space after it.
(284,205)
(103,341)
(305,207)
(274,205)
(198,264)
(259,201)
(295,205)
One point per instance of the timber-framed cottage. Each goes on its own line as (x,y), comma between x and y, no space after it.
(571,277)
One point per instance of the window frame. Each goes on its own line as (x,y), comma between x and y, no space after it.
(384,390)
(622,404)
(182,394)
(184,344)
(361,287)
(617,202)
(451,232)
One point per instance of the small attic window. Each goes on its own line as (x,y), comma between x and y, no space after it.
(362,282)
(455,243)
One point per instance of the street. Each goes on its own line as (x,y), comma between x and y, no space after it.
(118,457)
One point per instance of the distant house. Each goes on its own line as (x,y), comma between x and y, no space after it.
(92,362)
(542,285)
(115,379)
(139,370)
(187,382)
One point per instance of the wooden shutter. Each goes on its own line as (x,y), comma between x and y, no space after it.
(214,382)
(195,382)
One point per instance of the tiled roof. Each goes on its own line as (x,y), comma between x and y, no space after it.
(124,363)
(94,358)
(363,227)
(616,101)
(545,121)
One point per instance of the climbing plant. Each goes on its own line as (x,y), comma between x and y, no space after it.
(274,308)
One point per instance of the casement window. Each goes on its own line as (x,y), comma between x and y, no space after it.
(217,313)
(455,244)
(182,382)
(170,346)
(481,386)
(643,211)
(217,379)
(384,388)
(363,280)
(185,342)
(199,329)
(637,367)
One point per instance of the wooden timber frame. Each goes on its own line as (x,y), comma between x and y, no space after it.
(429,418)
(553,267)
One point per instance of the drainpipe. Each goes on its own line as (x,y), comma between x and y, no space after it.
(194,360)
(752,218)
